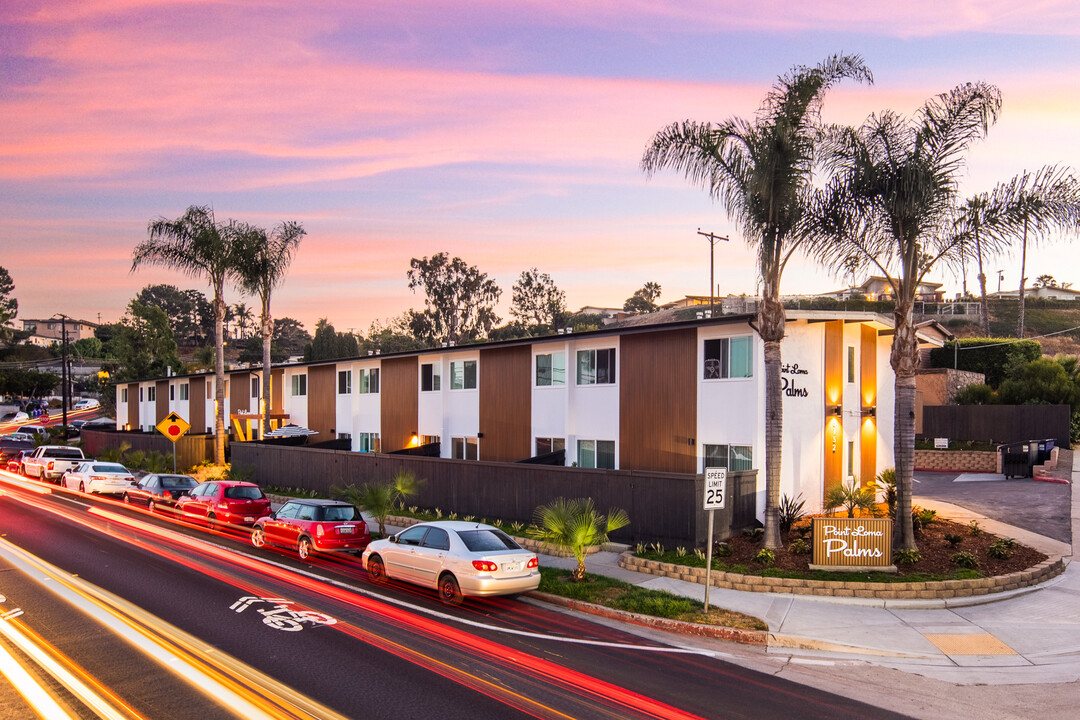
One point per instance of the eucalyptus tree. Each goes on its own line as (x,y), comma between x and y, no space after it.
(760,171)
(200,247)
(263,260)
(891,203)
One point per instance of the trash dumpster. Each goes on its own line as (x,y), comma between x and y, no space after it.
(1017,459)
(1044,449)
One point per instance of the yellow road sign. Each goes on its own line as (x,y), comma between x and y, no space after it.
(173,427)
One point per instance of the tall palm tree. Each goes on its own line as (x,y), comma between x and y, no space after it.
(891,203)
(760,171)
(264,260)
(244,318)
(976,217)
(198,246)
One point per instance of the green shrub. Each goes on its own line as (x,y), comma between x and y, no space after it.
(907,556)
(754,533)
(851,497)
(974,529)
(791,511)
(995,358)
(885,483)
(1001,549)
(722,549)
(765,556)
(953,539)
(965,559)
(799,546)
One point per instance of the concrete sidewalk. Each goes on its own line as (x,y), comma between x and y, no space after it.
(1024,636)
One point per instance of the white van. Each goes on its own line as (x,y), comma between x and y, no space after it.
(86,404)
(35,430)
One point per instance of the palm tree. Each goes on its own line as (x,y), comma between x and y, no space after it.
(977,217)
(891,203)
(196,245)
(244,318)
(575,525)
(264,260)
(761,172)
(379,499)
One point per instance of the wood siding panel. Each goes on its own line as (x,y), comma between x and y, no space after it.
(161,401)
(505,404)
(133,406)
(322,401)
(277,384)
(658,402)
(399,401)
(834,396)
(240,394)
(868,428)
(197,404)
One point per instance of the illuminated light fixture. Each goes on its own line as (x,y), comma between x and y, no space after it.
(836,410)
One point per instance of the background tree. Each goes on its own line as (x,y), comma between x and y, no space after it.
(891,203)
(244,315)
(328,344)
(290,335)
(188,310)
(978,218)
(459,299)
(24,382)
(145,345)
(394,336)
(264,261)
(9,306)
(643,300)
(761,172)
(537,300)
(196,245)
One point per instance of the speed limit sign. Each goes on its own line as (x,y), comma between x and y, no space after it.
(715,488)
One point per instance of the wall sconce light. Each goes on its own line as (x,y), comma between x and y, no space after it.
(836,410)
(870,412)
(690,442)
(479,434)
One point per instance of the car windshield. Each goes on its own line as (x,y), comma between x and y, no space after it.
(340,512)
(487,539)
(178,481)
(109,468)
(243,492)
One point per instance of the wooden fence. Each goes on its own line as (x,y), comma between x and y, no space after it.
(663,507)
(998,423)
(191,450)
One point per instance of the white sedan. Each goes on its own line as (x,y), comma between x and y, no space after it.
(458,558)
(100,478)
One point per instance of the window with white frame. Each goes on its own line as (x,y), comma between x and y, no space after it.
(550,369)
(463,375)
(368,442)
(430,439)
(123,395)
(151,393)
(729,358)
(209,389)
(464,448)
(596,367)
(851,363)
(172,392)
(254,386)
(430,381)
(596,454)
(299,385)
(344,382)
(369,380)
(185,391)
(732,457)
(545,445)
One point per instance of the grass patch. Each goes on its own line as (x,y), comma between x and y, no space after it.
(619,595)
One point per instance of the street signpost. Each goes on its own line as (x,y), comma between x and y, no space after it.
(173,427)
(714,499)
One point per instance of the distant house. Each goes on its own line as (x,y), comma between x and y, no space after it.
(1043,292)
(48,332)
(609,315)
(879,288)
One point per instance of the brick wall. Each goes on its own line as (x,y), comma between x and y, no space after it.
(956,461)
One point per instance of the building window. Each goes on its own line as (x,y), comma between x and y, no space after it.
(344,436)
(851,459)
(851,363)
(596,367)
(209,390)
(369,380)
(184,391)
(729,358)
(547,445)
(550,369)
(463,375)
(344,382)
(464,448)
(255,386)
(123,395)
(172,393)
(596,454)
(429,378)
(299,385)
(151,393)
(732,457)
(369,442)
(430,440)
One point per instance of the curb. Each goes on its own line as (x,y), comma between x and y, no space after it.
(718,632)
(1050,479)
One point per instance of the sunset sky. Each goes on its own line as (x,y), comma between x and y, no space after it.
(507,133)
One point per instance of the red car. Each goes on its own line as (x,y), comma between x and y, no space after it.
(224,502)
(313,525)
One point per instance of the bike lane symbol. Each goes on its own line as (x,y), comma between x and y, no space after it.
(280,615)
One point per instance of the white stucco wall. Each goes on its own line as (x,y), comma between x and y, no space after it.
(592,410)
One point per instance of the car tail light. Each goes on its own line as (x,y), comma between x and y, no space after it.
(533,563)
(485,565)
(98,478)
(223,506)
(50,465)
(319,530)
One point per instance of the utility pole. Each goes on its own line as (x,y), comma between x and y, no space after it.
(63,372)
(712,256)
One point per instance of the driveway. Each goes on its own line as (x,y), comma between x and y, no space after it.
(1040,507)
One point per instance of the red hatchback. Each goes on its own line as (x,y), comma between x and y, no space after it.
(313,525)
(224,502)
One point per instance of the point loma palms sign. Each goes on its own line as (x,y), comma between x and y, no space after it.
(852,544)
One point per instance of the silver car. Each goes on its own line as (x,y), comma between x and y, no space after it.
(100,478)
(458,558)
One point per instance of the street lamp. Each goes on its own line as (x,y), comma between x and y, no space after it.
(712,253)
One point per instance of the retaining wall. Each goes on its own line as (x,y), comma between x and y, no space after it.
(957,461)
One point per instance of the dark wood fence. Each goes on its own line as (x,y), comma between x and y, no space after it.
(663,507)
(191,450)
(998,423)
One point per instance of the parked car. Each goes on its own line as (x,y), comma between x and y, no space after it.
(38,431)
(159,490)
(458,558)
(99,422)
(15,417)
(50,462)
(15,461)
(9,448)
(99,478)
(313,525)
(86,404)
(228,502)
(21,437)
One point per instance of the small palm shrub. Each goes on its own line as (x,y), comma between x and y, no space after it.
(575,524)
(799,546)
(1001,549)
(722,549)
(754,533)
(765,556)
(953,539)
(965,559)
(851,497)
(791,511)
(885,483)
(907,556)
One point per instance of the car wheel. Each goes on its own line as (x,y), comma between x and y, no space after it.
(151,506)
(304,548)
(449,590)
(258,537)
(127,499)
(376,569)
(82,487)
(211,521)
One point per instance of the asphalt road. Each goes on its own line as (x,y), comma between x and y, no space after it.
(324,632)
